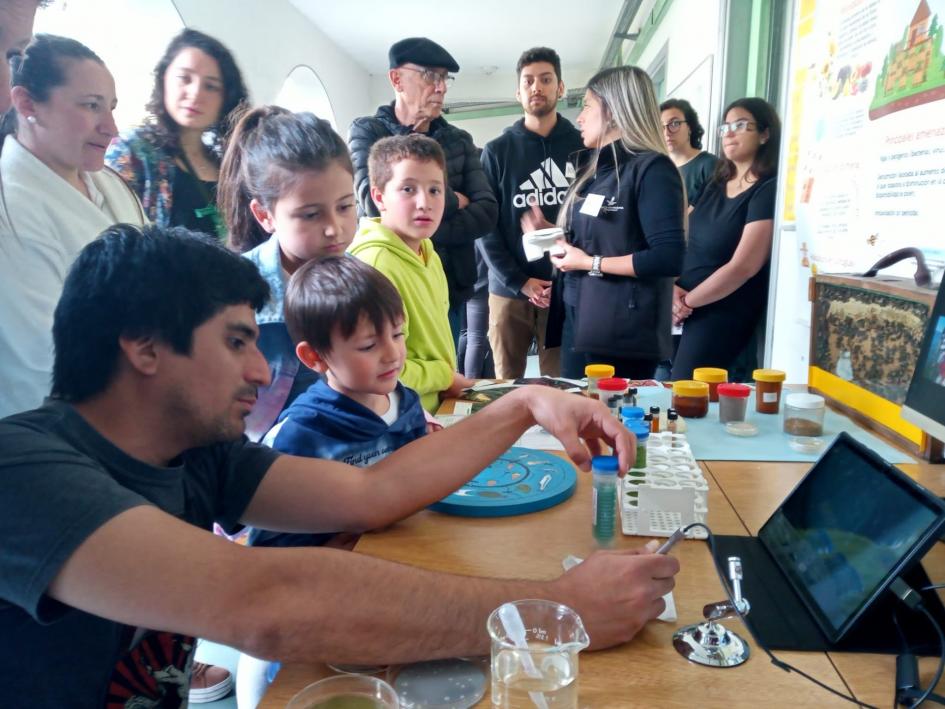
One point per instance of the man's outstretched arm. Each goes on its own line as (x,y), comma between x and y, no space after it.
(146,568)
(305,494)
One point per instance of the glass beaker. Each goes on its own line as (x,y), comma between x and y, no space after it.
(555,635)
(346,692)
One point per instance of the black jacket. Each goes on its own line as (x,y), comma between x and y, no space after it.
(524,167)
(454,240)
(643,215)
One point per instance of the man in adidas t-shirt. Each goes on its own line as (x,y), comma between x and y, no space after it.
(531,163)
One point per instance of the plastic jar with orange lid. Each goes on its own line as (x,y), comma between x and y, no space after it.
(594,373)
(768,383)
(691,398)
(713,376)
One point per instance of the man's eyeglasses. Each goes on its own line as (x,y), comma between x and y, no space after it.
(433,77)
(674,125)
(739,126)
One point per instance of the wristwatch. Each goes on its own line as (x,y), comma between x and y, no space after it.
(595,267)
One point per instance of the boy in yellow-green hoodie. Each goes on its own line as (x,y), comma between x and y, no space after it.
(408,182)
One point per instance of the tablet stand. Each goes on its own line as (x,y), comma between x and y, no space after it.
(710,643)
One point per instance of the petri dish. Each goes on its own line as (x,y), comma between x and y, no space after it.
(742,429)
(440,684)
(806,444)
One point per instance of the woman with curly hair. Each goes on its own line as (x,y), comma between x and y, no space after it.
(683,133)
(173,161)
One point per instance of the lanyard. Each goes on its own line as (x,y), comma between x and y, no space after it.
(210,210)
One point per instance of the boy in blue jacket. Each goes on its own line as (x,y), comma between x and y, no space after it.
(346,319)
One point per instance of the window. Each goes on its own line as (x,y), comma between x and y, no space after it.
(302,90)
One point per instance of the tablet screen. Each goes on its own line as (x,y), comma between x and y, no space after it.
(847,530)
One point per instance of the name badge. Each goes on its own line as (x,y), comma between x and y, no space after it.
(592,204)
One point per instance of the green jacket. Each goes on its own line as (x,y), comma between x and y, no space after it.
(431,356)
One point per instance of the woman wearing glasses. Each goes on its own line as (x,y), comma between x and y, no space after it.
(624,217)
(721,295)
(173,161)
(683,135)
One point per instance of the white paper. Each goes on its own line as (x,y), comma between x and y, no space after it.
(538,438)
(592,204)
(668,614)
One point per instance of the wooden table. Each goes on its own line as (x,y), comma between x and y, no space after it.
(647,671)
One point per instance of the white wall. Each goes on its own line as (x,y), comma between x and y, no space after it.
(271,38)
(129,56)
(690,31)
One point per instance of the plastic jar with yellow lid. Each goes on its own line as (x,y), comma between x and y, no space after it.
(768,384)
(691,398)
(594,373)
(713,376)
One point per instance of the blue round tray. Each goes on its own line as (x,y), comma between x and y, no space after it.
(519,481)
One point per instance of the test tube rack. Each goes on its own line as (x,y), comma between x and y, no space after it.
(669,493)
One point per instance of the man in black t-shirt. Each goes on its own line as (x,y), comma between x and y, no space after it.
(108,569)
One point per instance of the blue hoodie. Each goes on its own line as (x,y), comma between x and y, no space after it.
(321,423)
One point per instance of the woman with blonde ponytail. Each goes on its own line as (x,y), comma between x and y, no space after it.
(624,223)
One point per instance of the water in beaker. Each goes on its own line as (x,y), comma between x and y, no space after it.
(555,635)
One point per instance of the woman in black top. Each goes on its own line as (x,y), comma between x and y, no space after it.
(173,161)
(722,293)
(624,219)
(683,135)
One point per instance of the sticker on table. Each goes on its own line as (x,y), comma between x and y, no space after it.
(518,482)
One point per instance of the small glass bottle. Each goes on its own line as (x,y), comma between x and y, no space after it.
(655,416)
(671,418)
(604,468)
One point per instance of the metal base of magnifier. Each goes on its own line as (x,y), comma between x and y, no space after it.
(710,643)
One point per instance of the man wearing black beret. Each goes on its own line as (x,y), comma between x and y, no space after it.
(420,75)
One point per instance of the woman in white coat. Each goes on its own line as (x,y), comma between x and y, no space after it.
(55,197)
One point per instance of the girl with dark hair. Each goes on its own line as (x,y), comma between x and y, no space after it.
(173,161)
(287,196)
(722,294)
(683,135)
(54,199)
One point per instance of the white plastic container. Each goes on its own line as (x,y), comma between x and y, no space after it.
(804,415)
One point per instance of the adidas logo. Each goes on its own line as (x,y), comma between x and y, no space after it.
(546,186)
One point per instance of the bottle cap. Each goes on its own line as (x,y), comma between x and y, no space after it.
(738,391)
(686,387)
(605,464)
(672,415)
(713,375)
(639,429)
(768,375)
(804,401)
(600,371)
(612,384)
(654,410)
(631,412)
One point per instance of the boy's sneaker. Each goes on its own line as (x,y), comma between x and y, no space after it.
(208,683)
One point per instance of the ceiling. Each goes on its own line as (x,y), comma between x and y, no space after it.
(485,37)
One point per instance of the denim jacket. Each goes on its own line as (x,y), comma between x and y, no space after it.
(289,376)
